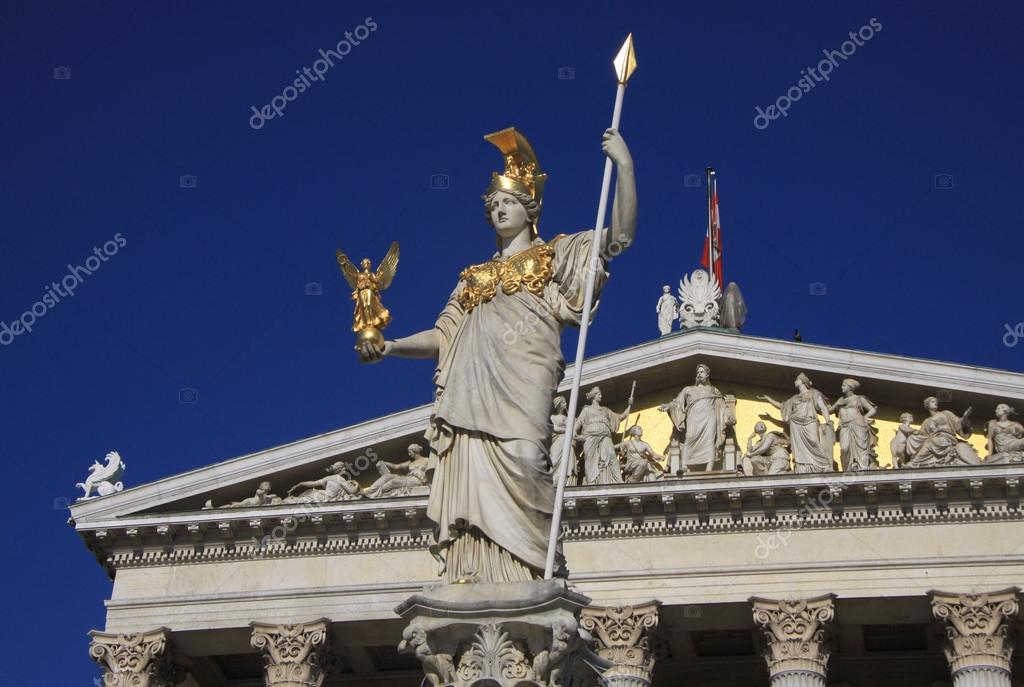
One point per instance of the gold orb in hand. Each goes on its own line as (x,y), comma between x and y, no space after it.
(371,335)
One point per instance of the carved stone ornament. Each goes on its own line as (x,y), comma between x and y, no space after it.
(796,638)
(517,634)
(622,637)
(979,630)
(294,655)
(700,295)
(144,659)
(103,479)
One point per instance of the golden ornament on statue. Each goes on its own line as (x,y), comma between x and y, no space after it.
(370,315)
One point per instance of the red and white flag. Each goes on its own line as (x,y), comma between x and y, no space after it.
(711,259)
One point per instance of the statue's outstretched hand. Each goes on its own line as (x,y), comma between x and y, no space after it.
(370,352)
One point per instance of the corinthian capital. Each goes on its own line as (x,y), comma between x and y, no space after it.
(796,634)
(143,659)
(622,635)
(978,630)
(295,655)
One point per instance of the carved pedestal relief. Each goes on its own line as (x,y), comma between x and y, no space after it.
(622,637)
(496,635)
(295,655)
(796,639)
(144,659)
(979,635)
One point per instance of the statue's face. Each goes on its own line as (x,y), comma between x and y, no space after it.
(702,375)
(365,263)
(1002,411)
(665,289)
(508,216)
(932,404)
(759,428)
(597,396)
(845,387)
(263,488)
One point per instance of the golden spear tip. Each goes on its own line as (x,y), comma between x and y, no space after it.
(625,61)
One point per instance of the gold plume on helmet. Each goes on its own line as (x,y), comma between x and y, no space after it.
(522,171)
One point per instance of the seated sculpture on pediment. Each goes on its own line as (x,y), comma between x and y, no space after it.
(640,460)
(399,479)
(937,442)
(262,497)
(337,486)
(770,456)
(1005,437)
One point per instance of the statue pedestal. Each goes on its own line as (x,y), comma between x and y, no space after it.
(500,635)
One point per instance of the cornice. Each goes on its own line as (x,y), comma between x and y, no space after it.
(674,508)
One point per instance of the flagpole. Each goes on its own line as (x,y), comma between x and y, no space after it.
(709,239)
(625,63)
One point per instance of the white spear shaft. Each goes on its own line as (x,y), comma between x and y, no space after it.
(628,63)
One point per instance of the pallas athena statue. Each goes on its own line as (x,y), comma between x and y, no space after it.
(491,495)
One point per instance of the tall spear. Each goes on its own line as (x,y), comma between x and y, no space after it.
(624,63)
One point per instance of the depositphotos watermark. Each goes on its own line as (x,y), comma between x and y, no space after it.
(309,74)
(812,76)
(63,289)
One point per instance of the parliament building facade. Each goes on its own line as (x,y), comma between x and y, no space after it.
(902,572)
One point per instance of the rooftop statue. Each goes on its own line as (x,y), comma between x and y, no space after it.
(398,479)
(595,427)
(491,495)
(769,457)
(810,440)
(857,437)
(667,309)
(1005,437)
(104,479)
(641,461)
(937,441)
(701,417)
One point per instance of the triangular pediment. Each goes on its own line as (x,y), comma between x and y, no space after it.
(742,366)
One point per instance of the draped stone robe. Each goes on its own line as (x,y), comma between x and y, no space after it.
(701,414)
(499,365)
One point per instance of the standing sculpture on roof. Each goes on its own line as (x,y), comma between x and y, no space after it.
(701,419)
(491,495)
(667,309)
(594,427)
(810,440)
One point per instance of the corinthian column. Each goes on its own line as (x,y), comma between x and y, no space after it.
(294,655)
(622,635)
(979,642)
(143,659)
(796,639)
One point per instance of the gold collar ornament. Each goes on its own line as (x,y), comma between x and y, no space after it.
(530,269)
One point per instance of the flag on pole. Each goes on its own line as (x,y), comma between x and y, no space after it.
(711,259)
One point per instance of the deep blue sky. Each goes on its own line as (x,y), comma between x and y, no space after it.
(209,292)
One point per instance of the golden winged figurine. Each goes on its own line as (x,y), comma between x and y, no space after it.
(370,315)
